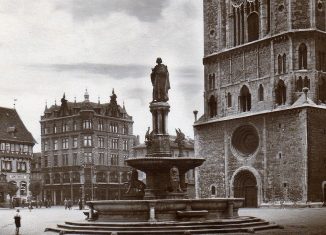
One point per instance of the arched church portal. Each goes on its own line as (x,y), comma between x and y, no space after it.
(245,186)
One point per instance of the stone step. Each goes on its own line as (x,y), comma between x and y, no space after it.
(243,219)
(176,227)
(170,231)
(149,228)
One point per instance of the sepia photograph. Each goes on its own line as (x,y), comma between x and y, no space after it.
(125,117)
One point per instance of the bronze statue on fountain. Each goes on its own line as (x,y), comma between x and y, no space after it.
(160,81)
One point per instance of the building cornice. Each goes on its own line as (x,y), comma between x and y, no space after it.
(281,36)
(256,114)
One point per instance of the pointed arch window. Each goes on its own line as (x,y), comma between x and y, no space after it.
(284,63)
(306,82)
(303,56)
(299,84)
(279,67)
(213,190)
(245,99)
(211,81)
(280,93)
(229,99)
(253,26)
(261,93)
(212,106)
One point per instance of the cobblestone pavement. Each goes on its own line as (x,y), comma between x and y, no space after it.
(34,222)
(295,221)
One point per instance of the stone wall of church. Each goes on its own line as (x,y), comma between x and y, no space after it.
(317,153)
(279,16)
(320,9)
(279,159)
(301,12)
(209,144)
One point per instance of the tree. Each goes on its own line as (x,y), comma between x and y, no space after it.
(35,188)
(11,189)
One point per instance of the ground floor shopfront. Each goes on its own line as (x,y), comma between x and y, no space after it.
(56,194)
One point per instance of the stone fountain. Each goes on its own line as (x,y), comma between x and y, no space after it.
(162,205)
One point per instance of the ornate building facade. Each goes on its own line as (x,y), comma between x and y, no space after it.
(262,131)
(84,145)
(16,149)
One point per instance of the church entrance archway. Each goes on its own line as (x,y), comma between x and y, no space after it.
(245,186)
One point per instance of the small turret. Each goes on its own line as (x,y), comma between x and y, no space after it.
(86,96)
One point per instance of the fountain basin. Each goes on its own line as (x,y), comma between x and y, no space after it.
(165,209)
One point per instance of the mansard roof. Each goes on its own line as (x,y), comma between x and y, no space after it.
(12,128)
(110,109)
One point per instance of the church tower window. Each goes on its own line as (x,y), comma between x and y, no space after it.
(306,82)
(253,26)
(212,105)
(229,99)
(299,84)
(280,93)
(211,81)
(260,93)
(303,56)
(245,99)
(284,63)
(279,64)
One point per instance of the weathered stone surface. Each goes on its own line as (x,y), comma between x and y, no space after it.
(288,163)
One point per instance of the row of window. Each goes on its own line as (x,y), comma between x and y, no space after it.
(244,98)
(16,148)
(113,160)
(113,176)
(249,11)
(281,69)
(6,165)
(88,124)
(87,142)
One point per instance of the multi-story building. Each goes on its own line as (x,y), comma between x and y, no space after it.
(16,149)
(84,145)
(262,132)
(188,151)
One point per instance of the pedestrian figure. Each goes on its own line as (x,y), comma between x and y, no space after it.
(80,204)
(69,204)
(65,202)
(30,206)
(17,219)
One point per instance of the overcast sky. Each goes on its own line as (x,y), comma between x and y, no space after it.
(51,47)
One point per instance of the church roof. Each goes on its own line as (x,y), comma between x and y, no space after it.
(12,128)
(303,101)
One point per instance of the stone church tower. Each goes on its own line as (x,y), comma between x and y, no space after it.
(263,131)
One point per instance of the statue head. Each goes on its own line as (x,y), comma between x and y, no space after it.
(159,60)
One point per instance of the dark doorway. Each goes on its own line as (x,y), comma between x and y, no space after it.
(245,186)
(58,197)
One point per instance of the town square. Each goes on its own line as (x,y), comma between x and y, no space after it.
(152,117)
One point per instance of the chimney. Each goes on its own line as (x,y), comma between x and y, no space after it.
(195,113)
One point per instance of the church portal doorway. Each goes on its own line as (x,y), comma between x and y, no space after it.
(245,186)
